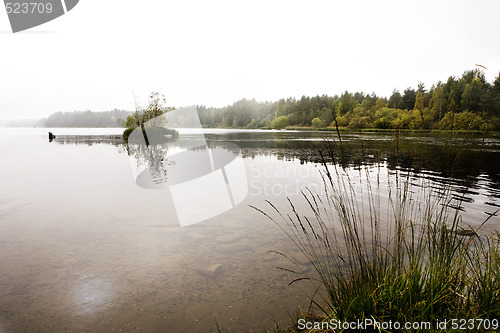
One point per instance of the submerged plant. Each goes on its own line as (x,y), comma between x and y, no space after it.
(383,247)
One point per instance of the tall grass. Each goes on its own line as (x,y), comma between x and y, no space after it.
(390,247)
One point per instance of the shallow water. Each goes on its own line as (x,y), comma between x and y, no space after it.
(83,248)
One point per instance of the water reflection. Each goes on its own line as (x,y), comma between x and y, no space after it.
(149,165)
(469,164)
(212,179)
(90,140)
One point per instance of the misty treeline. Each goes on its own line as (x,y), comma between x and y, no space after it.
(85,119)
(466,102)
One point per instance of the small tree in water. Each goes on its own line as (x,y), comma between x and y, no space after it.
(153,110)
(152,116)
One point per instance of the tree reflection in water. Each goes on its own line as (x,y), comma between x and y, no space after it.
(151,162)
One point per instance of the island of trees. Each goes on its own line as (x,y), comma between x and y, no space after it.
(467,102)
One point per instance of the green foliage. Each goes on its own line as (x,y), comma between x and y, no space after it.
(130,122)
(152,111)
(417,109)
(346,102)
(383,123)
(325,115)
(236,121)
(403,119)
(342,121)
(317,123)
(127,132)
(396,100)
(494,123)
(419,101)
(409,97)
(253,124)
(360,122)
(437,103)
(280,122)
(462,121)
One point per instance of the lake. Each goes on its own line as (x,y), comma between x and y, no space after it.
(88,244)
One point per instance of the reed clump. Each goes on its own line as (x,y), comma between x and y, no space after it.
(388,247)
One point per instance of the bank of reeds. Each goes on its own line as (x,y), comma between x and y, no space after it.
(391,248)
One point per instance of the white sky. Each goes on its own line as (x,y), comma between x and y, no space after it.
(101,53)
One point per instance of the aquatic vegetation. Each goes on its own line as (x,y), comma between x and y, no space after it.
(386,247)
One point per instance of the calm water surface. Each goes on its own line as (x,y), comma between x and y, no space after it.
(83,248)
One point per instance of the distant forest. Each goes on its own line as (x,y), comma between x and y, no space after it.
(85,119)
(468,102)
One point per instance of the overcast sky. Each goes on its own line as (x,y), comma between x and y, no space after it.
(102,53)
